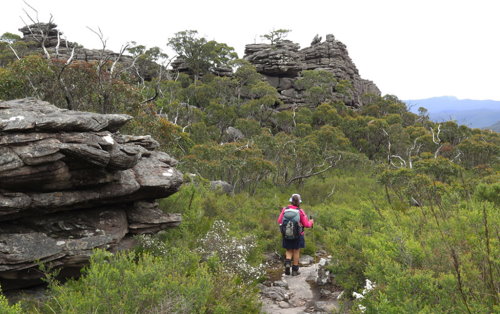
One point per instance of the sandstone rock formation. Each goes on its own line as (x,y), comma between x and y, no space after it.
(46,34)
(280,60)
(69,183)
(282,63)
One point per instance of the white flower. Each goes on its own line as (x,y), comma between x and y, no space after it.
(368,286)
(358,295)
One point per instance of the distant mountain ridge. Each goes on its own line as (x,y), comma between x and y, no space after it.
(469,112)
(495,127)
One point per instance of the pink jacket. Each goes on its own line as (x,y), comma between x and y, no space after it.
(304,221)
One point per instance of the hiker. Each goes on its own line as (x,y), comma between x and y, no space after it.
(292,221)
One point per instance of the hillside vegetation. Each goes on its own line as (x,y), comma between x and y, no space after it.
(410,204)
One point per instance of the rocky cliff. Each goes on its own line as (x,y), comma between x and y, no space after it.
(69,183)
(282,63)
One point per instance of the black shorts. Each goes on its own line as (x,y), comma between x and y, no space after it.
(299,243)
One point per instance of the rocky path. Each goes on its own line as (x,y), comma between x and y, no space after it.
(299,294)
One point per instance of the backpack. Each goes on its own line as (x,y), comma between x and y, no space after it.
(290,228)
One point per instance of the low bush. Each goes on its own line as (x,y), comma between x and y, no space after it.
(6,308)
(138,283)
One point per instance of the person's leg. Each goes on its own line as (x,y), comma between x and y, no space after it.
(295,266)
(296,256)
(288,261)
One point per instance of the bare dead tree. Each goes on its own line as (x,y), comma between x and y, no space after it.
(436,140)
(120,54)
(413,150)
(157,89)
(328,160)
(42,36)
(13,50)
(67,93)
(457,156)
(103,79)
(58,43)
(390,156)
(103,58)
(38,37)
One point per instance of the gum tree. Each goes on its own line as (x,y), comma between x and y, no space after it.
(200,55)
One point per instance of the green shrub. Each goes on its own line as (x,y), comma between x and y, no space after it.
(128,283)
(5,308)
(489,192)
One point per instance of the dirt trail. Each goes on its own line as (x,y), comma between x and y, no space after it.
(297,294)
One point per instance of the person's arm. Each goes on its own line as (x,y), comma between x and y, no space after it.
(280,218)
(304,220)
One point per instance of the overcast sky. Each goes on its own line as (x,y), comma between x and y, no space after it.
(410,48)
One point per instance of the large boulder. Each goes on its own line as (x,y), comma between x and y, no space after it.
(221,186)
(69,183)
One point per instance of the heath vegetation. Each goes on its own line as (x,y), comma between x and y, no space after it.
(410,204)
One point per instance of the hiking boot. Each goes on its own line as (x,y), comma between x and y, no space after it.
(295,270)
(288,263)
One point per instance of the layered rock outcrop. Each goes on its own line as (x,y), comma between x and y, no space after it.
(282,63)
(69,183)
(47,35)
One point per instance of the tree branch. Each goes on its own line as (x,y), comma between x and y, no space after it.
(401,160)
(14,51)
(102,59)
(122,50)
(332,164)
(35,90)
(436,138)
(58,43)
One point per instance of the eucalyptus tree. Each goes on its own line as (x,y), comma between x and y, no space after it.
(200,55)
